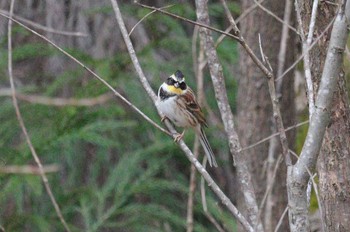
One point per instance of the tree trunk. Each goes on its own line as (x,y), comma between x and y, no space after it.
(255,108)
(334,165)
(334,158)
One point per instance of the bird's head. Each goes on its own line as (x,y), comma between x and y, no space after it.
(175,84)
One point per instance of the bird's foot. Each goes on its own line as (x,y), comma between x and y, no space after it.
(178,137)
(163,118)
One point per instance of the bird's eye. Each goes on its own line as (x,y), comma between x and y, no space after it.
(170,81)
(183,85)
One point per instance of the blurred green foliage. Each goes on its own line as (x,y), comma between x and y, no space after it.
(117,172)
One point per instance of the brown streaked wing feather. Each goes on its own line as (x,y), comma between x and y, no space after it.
(193,107)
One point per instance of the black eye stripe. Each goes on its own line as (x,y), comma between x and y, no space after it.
(183,85)
(170,81)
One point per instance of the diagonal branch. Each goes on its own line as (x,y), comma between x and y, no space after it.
(44,28)
(120,96)
(24,129)
(271,83)
(216,189)
(285,23)
(217,77)
(187,20)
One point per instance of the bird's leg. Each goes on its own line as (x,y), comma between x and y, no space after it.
(163,118)
(179,136)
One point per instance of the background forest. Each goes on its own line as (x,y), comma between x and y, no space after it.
(108,168)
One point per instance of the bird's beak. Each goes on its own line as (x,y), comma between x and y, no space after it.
(176,85)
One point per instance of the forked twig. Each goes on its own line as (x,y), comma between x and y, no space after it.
(276,111)
(24,129)
(144,17)
(303,54)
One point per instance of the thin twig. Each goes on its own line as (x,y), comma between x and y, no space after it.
(303,54)
(277,115)
(283,44)
(281,219)
(270,185)
(187,20)
(306,45)
(275,16)
(237,20)
(275,134)
(28,169)
(192,188)
(57,101)
(93,73)
(24,129)
(213,185)
(144,17)
(44,28)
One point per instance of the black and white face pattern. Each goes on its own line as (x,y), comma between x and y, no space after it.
(173,86)
(177,80)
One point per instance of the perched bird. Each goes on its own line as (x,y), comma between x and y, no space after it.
(178,103)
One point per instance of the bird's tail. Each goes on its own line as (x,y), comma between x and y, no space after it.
(206,146)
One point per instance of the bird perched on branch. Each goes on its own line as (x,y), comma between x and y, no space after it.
(178,103)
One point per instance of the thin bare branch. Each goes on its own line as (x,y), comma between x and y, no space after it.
(144,17)
(44,28)
(57,101)
(306,44)
(283,44)
(275,134)
(281,219)
(216,189)
(242,16)
(275,16)
(277,113)
(93,73)
(24,129)
(28,169)
(303,54)
(187,20)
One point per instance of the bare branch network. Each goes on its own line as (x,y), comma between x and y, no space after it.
(299,173)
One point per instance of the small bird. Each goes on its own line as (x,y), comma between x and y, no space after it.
(178,103)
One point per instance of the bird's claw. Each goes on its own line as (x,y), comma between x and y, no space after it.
(163,118)
(178,137)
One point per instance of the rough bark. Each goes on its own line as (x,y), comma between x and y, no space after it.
(333,162)
(326,84)
(334,165)
(254,105)
(334,158)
